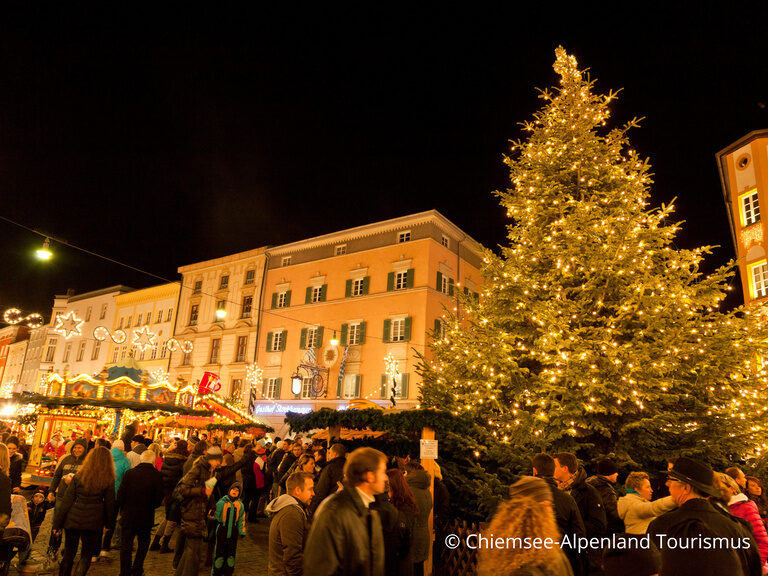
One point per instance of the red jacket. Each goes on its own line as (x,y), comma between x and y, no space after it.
(743,507)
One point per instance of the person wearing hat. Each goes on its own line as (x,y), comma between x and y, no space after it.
(230,525)
(603,481)
(528,514)
(690,483)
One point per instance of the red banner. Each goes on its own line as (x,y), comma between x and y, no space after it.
(210,383)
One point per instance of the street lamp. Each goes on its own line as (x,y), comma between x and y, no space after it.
(296,382)
(44,253)
(220,313)
(334,340)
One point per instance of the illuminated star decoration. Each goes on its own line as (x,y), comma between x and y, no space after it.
(143,339)
(68,325)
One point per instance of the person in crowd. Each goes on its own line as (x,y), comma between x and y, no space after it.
(230,525)
(690,482)
(141,491)
(122,465)
(87,508)
(321,459)
(237,454)
(742,507)
(65,471)
(330,477)
(158,451)
(196,488)
(419,482)
(284,470)
(345,538)
(88,437)
(628,558)
(17,464)
(528,513)
(104,443)
(441,516)
(5,487)
(283,447)
(566,511)
(260,483)
(55,447)
(398,510)
(138,445)
(37,507)
(738,475)
(197,452)
(603,482)
(756,494)
(289,526)
(571,478)
(249,479)
(171,473)
(636,509)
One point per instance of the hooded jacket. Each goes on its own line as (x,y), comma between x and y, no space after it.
(140,493)
(742,507)
(83,510)
(122,465)
(419,482)
(287,535)
(637,512)
(172,471)
(70,464)
(610,502)
(590,504)
(195,507)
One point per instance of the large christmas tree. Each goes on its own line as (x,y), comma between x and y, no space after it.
(594,333)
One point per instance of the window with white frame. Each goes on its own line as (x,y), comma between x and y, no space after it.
(142,354)
(270,389)
(164,349)
(250,275)
(50,351)
(153,352)
(340,250)
(186,360)
(115,353)
(88,314)
(444,241)
(224,282)
(398,330)
(81,351)
(306,388)
(445,285)
(358,286)
(247,304)
(170,313)
(401,280)
(353,337)
(404,236)
(312,337)
(148,318)
(103,312)
(96,350)
(128,321)
(159,317)
(760,280)
(351,389)
(277,341)
(750,208)
(120,324)
(215,350)
(286,261)
(138,320)
(193,314)
(282,299)
(123,352)
(242,345)
(317,294)
(67,350)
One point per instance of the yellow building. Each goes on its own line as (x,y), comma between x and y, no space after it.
(147,317)
(743,168)
(380,289)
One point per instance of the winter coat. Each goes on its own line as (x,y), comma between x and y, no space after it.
(610,499)
(637,512)
(122,465)
(328,483)
(570,523)
(194,509)
(5,500)
(225,476)
(15,471)
(742,507)
(231,515)
(697,517)
(171,472)
(83,510)
(590,504)
(36,512)
(198,451)
(419,482)
(274,462)
(69,465)
(141,491)
(283,471)
(287,535)
(397,529)
(345,538)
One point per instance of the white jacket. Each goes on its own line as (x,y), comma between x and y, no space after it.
(637,512)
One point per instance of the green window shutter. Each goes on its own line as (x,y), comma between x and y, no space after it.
(344,332)
(362,332)
(320,337)
(409,278)
(287,298)
(303,339)
(387,330)
(323,290)
(439,281)
(269,341)
(274,300)
(366,284)
(339,384)
(308,298)
(404,386)
(390,281)
(437,327)
(264,388)
(450,286)
(408,328)
(348,289)
(284,340)
(383,391)
(358,380)
(278,382)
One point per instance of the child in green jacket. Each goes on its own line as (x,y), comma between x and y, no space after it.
(230,526)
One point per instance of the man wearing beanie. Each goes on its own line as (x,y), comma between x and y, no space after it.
(603,481)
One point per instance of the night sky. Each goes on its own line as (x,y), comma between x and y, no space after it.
(165,139)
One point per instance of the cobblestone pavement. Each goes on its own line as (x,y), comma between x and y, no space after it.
(251,554)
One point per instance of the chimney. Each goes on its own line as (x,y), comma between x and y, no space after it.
(70,292)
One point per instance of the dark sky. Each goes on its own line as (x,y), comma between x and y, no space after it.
(165,139)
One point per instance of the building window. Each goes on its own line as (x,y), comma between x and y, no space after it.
(67,350)
(340,250)
(224,283)
(401,280)
(96,350)
(282,300)
(215,349)
(242,344)
(312,338)
(760,280)
(286,261)
(750,208)
(247,302)
(306,388)
(250,275)
(276,341)
(351,386)
(80,351)
(271,386)
(193,314)
(355,332)
(138,320)
(159,317)
(317,293)
(168,316)
(50,352)
(357,286)
(148,318)
(186,360)
(444,241)
(120,324)
(142,355)
(397,330)
(164,349)
(88,314)
(404,237)
(220,305)
(123,352)
(237,387)
(115,353)
(198,287)
(128,321)
(103,312)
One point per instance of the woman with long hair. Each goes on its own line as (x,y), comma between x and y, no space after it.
(158,450)
(398,517)
(87,508)
(757,495)
(742,507)
(528,513)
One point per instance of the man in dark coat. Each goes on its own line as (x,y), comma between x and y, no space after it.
(277,455)
(346,537)
(690,483)
(330,477)
(566,512)
(140,492)
(288,461)
(603,481)
(419,482)
(289,526)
